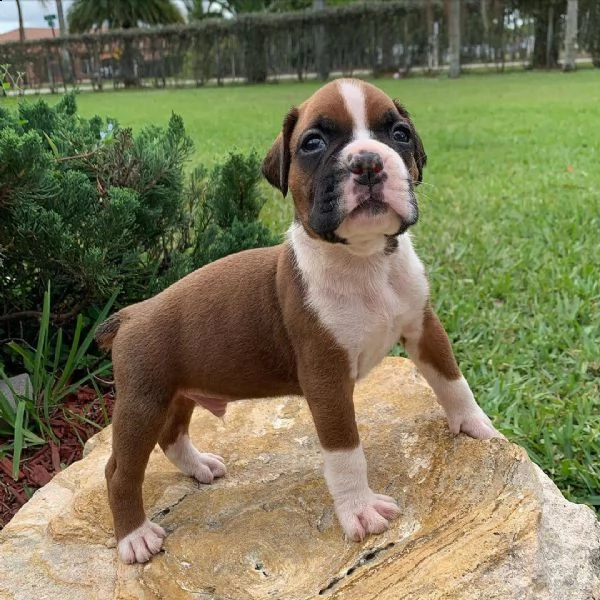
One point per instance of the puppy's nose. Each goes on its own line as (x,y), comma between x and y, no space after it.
(365,162)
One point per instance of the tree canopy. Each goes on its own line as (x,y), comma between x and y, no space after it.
(92,14)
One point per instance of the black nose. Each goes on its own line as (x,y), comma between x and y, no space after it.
(365,162)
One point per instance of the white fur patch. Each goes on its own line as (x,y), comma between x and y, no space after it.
(359,510)
(354,99)
(456,398)
(365,302)
(141,543)
(202,466)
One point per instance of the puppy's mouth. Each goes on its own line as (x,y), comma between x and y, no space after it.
(368,190)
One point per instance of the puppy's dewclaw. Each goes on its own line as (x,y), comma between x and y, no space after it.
(308,317)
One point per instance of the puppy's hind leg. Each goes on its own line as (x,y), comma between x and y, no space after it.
(140,413)
(175,441)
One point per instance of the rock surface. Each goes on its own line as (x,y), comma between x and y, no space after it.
(20,385)
(479,519)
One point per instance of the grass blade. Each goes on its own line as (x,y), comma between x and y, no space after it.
(41,349)
(18,440)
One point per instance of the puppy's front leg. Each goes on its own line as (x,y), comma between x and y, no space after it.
(429,348)
(360,510)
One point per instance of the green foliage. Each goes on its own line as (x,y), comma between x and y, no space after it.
(88,14)
(10,79)
(53,377)
(96,210)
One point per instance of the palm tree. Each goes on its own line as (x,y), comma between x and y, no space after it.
(121,14)
(21,26)
(65,60)
(86,15)
(62,26)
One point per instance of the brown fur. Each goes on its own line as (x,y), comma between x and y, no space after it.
(435,348)
(419,158)
(278,166)
(177,420)
(208,332)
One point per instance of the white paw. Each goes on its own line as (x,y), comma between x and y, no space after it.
(207,467)
(462,411)
(475,424)
(361,516)
(141,543)
(202,466)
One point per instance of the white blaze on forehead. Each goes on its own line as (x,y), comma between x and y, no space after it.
(354,100)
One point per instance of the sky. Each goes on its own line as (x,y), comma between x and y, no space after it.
(33,13)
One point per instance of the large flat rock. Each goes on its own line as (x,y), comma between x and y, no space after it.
(479,520)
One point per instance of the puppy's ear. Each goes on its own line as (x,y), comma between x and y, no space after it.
(276,165)
(419,156)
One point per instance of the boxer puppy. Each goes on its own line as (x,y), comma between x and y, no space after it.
(310,317)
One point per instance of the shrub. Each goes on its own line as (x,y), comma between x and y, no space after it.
(94,209)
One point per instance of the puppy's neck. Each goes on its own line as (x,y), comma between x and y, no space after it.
(367,246)
(333,265)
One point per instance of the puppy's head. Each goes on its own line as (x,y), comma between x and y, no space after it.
(351,157)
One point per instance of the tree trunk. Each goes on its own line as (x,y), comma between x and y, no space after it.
(62,26)
(545,48)
(485,22)
(21,26)
(66,61)
(454,38)
(431,42)
(499,31)
(321,46)
(255,56)
(593,33)
(128,73)
(127,62)
(571,36)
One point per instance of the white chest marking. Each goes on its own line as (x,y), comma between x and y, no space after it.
(365,302)
(354,100)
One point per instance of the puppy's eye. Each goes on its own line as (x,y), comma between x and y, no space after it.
(401,134)
(312,143)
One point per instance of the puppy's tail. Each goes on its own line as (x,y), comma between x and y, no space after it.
(107,330)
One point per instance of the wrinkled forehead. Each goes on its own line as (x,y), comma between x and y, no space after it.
(349,106)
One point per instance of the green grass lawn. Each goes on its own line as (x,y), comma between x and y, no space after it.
(509,229)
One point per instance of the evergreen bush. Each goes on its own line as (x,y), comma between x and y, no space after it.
(94,209)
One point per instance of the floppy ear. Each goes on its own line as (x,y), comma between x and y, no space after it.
(276,165)
(419,155)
